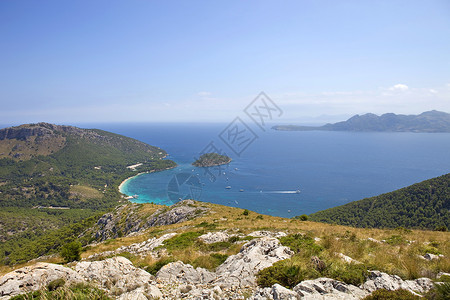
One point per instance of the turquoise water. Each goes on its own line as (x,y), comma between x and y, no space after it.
(330,168)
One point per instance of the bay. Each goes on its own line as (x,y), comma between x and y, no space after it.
(329,168)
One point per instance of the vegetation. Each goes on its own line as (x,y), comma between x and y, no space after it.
(392,295)
(60,292)
(309,262)
(423,205)
(212,159)
(71,251)
(53,177)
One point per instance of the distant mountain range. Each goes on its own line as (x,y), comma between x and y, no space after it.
(430,121)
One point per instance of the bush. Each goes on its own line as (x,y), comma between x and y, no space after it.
(154,268)
(301,243)
(181,241)
(392,295)
(209,262)
(233,239)
(55,284)
(288,275)
(441,291)
(395,240)
(71,251)
(77,291)
(441,228)
(245,212)
(302,217)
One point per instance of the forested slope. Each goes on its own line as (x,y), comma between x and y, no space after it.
(422,205)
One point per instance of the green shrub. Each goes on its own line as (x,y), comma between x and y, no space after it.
(206,225)
(154,268)
(441,228)
(77,291)
(395,240)
(181,241)
(71,251)
(259,217)
(214,247)
(55,284)
(245,212)
(301,243)
(392,295)
(302,217)
(286,273)
(209,262)
(233,239)
(354,274)
(444,278)
(291,271)
(441,291)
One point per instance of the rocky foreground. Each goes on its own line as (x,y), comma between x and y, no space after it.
(234,279)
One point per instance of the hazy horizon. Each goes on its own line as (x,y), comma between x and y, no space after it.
(200,61)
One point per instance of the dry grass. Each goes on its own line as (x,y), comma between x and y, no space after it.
(401,259)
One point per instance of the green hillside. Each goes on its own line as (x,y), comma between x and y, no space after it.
(52,177)
(422,205)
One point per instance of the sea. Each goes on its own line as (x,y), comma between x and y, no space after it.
(282,173)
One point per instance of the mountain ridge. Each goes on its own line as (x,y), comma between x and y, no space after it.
(427,122)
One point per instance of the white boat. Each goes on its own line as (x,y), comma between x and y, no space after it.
(228,187)
(241,190)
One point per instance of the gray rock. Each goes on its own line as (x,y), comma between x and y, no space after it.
(440,274)
(430,256)
(142,293)
(378,280)
(214,237)
(266,233)
(184,273)
(116,274)
(347,259)
(35,277)
(326,288)
(146,246)
(239,270)
(281,293)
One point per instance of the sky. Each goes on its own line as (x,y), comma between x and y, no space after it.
(205,61)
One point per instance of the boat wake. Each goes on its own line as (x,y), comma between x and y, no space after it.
(281,192)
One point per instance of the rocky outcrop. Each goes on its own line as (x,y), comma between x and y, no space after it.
(114,274)
(183,273)
(142,249)
(214,237)
(331,289)
(326,288)
(126,220)
(240,269)
(35,277)
(266,233)
(378,280)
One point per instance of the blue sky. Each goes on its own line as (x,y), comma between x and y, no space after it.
(152,61)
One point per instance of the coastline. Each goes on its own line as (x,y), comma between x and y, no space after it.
(124,181)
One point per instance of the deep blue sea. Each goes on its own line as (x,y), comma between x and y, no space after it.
(329,168)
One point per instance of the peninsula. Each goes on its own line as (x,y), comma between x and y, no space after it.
(211,159)
(430,121)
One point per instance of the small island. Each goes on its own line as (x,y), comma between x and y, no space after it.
(211,159)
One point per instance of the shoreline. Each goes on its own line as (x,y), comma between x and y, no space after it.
(124,181)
